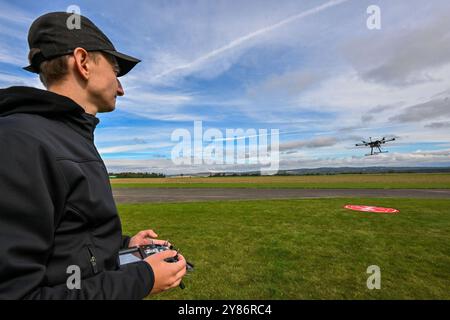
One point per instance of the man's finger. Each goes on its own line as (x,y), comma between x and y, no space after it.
(160,242)
(181,262)
(178,266)
(148,241)
(181,273)
(178,278)
(176,283)
(149,233)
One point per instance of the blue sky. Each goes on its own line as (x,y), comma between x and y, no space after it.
(311,69)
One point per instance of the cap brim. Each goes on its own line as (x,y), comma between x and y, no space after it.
(126,62)
(30,68)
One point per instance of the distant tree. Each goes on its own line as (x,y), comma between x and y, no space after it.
(137,175)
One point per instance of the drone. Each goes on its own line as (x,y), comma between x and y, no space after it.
(374,144)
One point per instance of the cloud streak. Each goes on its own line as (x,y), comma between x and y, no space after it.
(438,108)
(318,142)
(240,41)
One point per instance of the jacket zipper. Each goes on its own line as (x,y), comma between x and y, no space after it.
(92,259)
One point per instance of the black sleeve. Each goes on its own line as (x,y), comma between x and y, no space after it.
(32,193)
(125,242)
(132,281)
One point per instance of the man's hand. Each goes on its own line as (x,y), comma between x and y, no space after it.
(146,237)
(167,274)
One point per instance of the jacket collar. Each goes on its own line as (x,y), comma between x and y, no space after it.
(36,101)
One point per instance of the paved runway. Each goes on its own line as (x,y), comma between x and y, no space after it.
(135,195)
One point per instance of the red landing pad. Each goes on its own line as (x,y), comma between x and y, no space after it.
(370,209)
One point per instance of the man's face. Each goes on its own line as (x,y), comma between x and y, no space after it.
(103,85)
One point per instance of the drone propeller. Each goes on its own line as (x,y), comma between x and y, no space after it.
(364,143)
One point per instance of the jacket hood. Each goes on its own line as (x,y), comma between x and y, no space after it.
(30,100)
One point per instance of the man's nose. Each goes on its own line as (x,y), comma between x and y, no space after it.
(120,91)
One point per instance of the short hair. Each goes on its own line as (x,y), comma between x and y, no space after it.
(54,70)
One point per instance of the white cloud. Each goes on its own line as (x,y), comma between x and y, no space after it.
(10,14)
(406,56)
(133,147)
(317,142)
(7,80)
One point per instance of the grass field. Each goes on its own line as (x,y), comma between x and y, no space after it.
(347,181)
(304,249)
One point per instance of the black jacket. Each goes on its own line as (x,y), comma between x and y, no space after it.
(56,205)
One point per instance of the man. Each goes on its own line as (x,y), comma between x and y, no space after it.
(57,212)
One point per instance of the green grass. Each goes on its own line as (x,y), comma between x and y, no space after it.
(304,249)
(340,181)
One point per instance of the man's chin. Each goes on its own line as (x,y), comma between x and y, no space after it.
(107,108)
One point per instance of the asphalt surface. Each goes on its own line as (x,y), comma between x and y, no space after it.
(136,195)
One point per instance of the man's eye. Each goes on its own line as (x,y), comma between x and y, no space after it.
(116,70)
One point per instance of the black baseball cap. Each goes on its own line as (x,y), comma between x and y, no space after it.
(51,34)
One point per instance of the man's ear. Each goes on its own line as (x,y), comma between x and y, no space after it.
(83,63)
